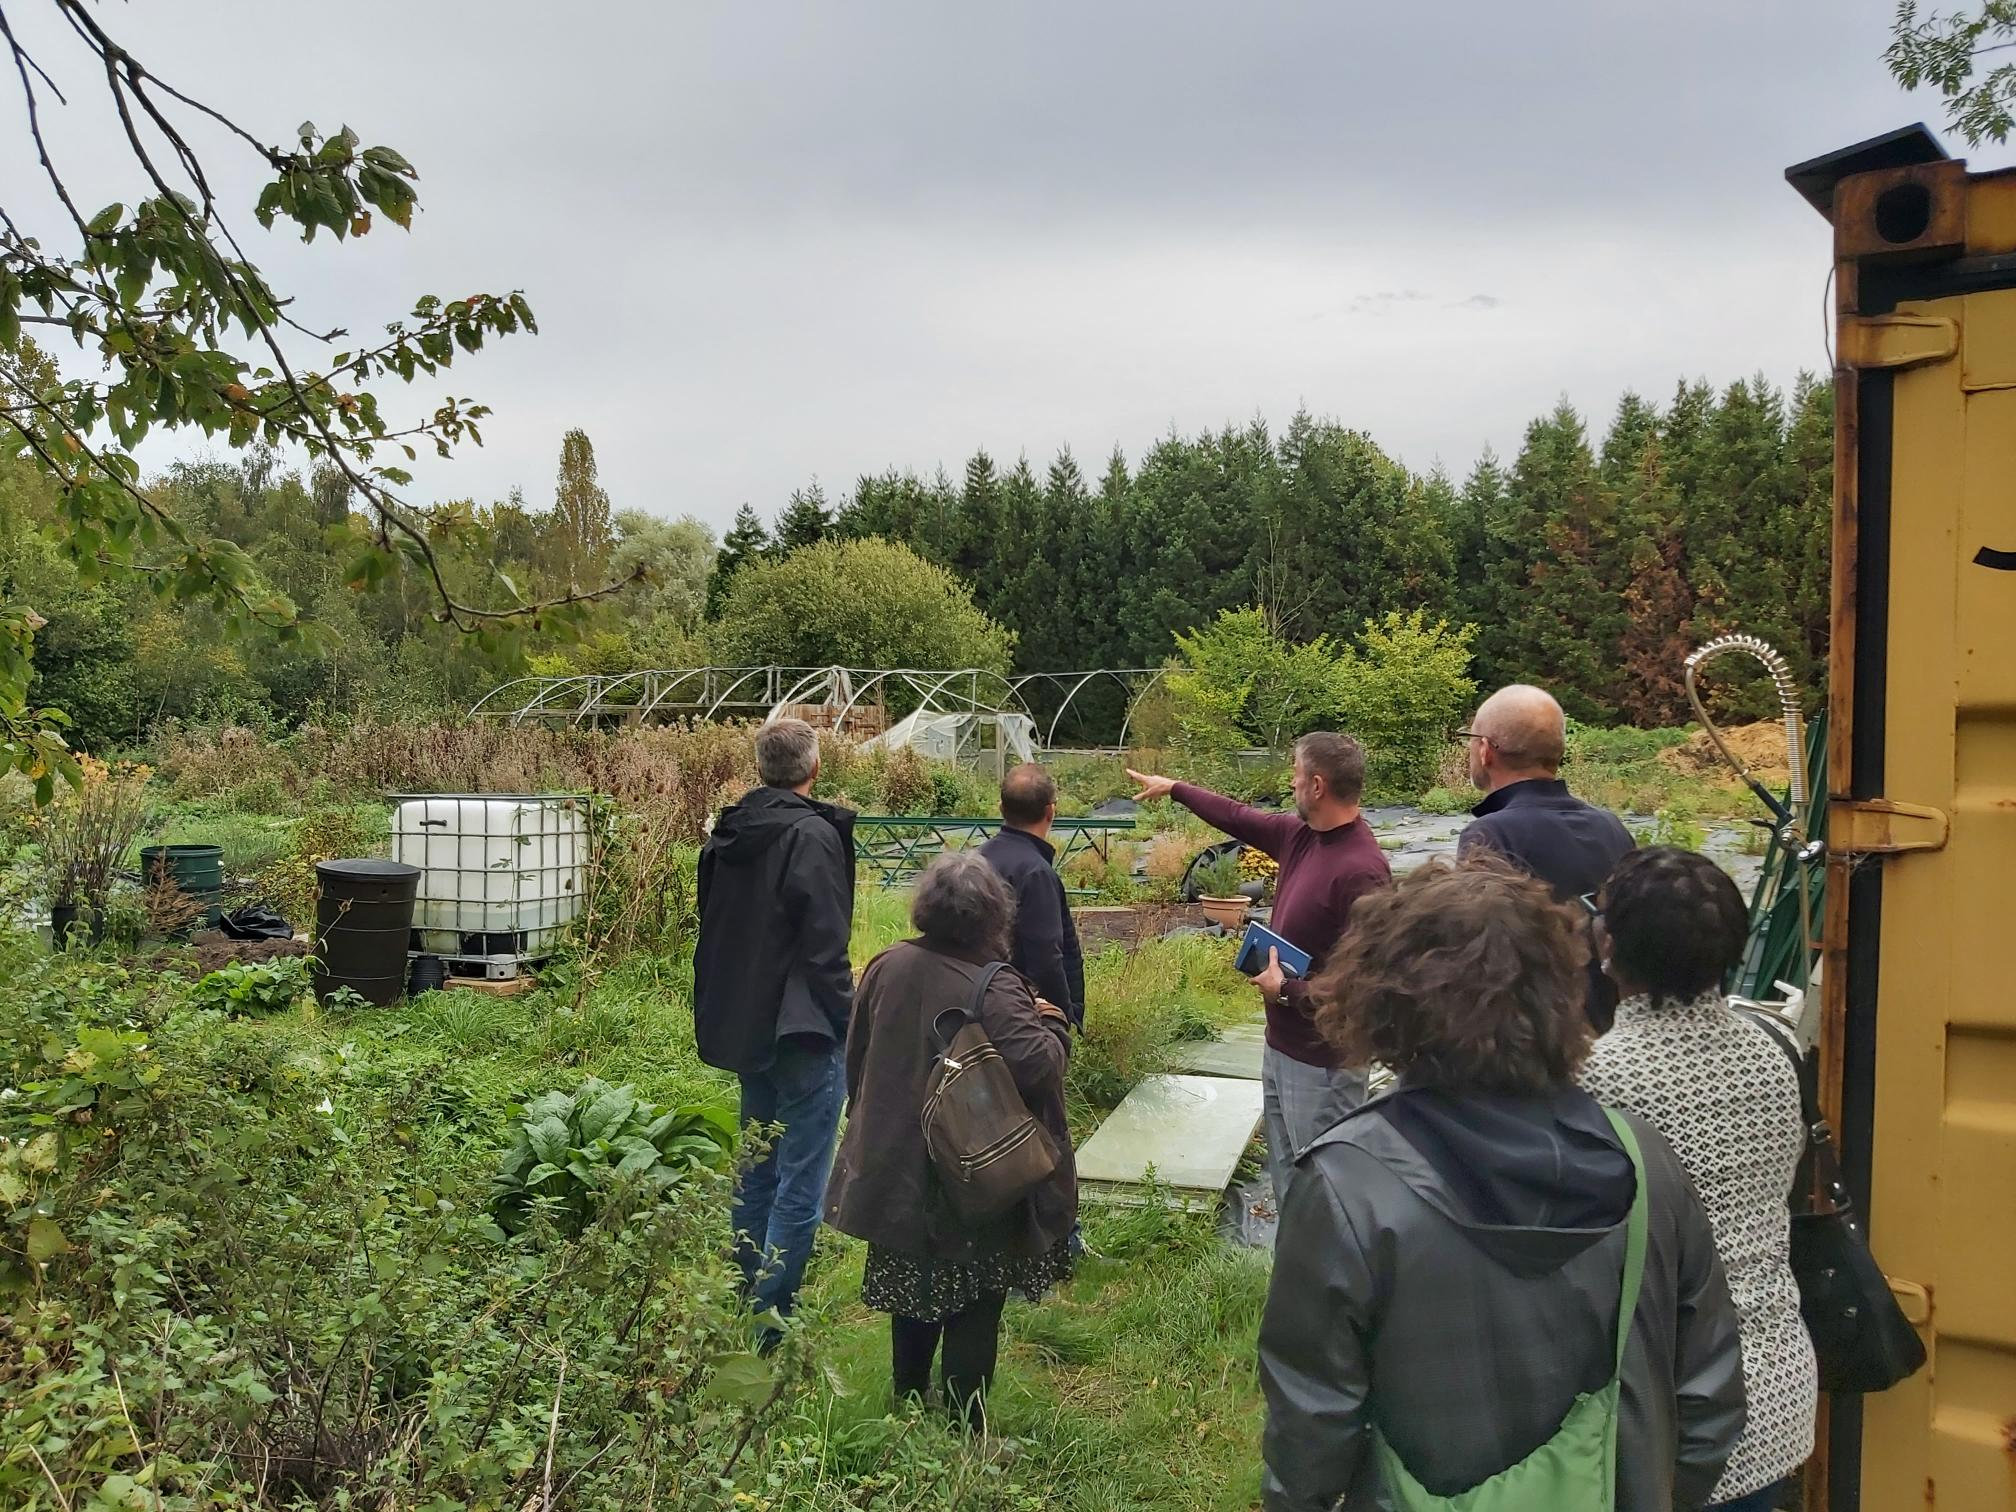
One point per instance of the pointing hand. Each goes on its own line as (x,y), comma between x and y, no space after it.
(1151,786)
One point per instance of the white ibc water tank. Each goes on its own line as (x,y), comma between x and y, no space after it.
(499,875)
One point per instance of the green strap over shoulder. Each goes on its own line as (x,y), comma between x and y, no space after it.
(1634,1235)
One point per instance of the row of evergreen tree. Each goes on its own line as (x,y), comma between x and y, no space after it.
(1590,566)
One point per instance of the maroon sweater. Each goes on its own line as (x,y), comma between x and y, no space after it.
(1323,872)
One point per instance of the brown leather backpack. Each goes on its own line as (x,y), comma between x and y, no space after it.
(986,1147)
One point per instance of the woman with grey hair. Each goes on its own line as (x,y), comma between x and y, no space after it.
(941,1279)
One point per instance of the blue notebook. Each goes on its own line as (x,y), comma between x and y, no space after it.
(1252,958)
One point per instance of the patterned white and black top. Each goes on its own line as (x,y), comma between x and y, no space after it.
(1724,1095)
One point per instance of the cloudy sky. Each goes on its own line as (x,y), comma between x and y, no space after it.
(772,241)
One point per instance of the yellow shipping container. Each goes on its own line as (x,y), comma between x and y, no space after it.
(1919,1033)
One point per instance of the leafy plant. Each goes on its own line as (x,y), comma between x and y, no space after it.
(1258,866)
(571,1151)
(1219,877)
(1671,827)
(246,988)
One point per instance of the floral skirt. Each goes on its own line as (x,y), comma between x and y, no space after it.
(917,1286)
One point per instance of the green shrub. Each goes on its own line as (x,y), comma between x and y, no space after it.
(866,603)
(245,988)
(289,883)
(1237,684)
(1402,695)
(571,1151)
(76,1057)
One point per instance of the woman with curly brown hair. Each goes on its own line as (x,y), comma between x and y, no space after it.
(1448,1302)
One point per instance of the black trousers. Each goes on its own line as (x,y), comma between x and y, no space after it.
(971,1340)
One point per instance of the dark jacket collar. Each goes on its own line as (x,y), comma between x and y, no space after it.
(1535,790)
(1044,847)
(951,952)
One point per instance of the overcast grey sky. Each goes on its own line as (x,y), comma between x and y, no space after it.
(768,241)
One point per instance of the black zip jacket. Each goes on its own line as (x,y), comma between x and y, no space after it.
(1542,828)
(1571,845)
(1448,1270)
(1046,941)
(776,910)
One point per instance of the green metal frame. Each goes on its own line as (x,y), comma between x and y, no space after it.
(899,846)
(1775,949)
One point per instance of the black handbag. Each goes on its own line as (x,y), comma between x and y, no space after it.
(1860,1335)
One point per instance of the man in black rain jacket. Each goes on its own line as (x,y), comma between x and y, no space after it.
(772,992)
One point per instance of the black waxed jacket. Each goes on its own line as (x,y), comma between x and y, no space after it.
(1465,1341)
(1046,941)
(776,912)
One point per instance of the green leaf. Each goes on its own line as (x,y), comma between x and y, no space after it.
(45,1239)
(549,1139)
(744,1379)
(607,1113)
(102,223)
(385,157)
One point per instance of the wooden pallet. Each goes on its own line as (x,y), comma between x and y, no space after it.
(504,987)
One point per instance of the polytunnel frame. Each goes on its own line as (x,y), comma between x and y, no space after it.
(579,698)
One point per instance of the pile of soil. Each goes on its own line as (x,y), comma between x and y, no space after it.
(211,950)
(1128,927)
(1761,745)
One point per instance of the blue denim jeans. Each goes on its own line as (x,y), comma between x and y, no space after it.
(779,1199)
(1765,1499)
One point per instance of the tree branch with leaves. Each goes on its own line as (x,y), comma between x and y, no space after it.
(1945,50)
(187,335)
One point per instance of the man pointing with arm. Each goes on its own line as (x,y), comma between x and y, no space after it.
(1328,859)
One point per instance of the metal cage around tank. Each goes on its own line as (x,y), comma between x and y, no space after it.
(502,875)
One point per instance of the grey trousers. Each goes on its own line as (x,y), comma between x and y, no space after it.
(1300,1101)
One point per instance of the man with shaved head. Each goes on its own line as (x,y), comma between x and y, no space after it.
(1528,815)
(1046,942)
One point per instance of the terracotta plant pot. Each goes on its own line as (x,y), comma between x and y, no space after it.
(1227,913)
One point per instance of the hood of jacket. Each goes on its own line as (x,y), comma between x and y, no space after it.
(746,830)
(1530,1181)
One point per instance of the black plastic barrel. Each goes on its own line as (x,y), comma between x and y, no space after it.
(195,871)
(363,914)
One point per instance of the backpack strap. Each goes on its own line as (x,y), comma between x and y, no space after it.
(1635,1228)
(970,1014)
(980,985)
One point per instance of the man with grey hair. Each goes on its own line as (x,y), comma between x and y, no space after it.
(1329,859)
(1517,744)
(772,994)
